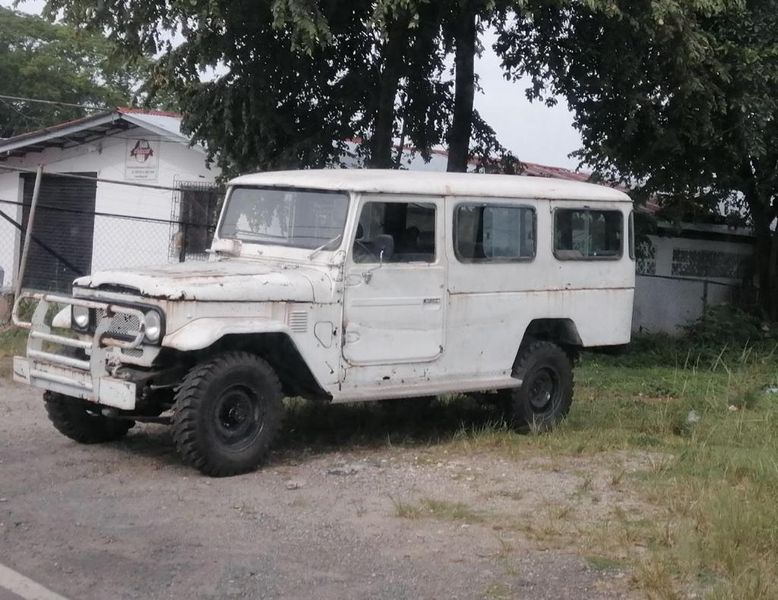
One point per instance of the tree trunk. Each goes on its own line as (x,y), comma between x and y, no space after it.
(464,90)
(393,59)
(765,256)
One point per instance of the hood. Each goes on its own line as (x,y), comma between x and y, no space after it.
(231,280)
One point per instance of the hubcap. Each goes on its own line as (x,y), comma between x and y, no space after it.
(238,415)
(543,389)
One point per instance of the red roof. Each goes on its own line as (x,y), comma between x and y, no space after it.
(143,111)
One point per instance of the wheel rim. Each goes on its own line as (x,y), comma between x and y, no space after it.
(543,390)
(238,416)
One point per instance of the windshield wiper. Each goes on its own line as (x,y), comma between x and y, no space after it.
(324,245)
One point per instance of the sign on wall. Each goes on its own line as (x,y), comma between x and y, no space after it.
(141,160)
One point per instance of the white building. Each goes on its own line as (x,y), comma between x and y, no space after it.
(83,225)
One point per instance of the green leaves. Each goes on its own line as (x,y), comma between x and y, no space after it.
(681,97)
(56,62)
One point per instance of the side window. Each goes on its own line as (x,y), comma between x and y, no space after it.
(494,233)
(403,231)
(632,235)
(588,234)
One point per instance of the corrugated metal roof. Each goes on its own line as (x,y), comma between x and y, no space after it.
(167,125)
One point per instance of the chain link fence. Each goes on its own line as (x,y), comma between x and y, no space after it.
(70,239)
(8,246)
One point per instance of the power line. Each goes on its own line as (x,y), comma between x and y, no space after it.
(96,213)
(54,102)
(149,186)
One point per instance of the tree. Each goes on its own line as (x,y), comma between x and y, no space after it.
(291,80)
(55,62)
(680,98)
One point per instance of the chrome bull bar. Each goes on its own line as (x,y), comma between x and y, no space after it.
(46,300)
(82,378)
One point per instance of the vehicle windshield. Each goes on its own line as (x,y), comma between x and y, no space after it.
(284,217)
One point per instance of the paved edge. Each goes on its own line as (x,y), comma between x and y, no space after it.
(25,587)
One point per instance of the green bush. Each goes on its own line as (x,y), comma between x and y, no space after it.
(725,324)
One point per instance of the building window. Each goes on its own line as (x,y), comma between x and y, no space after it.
(395,232)
(494,233)
(582,234)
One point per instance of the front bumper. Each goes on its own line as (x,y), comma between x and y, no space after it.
(108,391)
(96,375)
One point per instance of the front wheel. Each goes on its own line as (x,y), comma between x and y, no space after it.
(544,398)
(82,421)
(227,412)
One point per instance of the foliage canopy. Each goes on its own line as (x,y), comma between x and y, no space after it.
(42,60)
(678,97)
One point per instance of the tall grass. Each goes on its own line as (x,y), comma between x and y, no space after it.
(12,342)
(711,418)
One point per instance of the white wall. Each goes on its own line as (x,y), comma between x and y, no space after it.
(666,246)
(667,299)
(666,305)
(117,242)
(10,190)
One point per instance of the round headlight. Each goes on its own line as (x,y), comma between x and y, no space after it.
(80,317)
(153,326)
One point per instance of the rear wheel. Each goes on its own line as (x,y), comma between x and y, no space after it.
(82,421)
(544,398)
(227,412)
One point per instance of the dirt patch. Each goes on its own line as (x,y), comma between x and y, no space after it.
(127,520)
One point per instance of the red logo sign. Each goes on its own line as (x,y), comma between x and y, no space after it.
(142,151)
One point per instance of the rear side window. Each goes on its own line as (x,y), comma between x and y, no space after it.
(588,234)
(494,233)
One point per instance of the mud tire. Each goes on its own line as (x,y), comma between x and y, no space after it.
(75,418)
(227,412)
(544,398)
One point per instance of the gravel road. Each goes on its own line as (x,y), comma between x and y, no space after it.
(128,520)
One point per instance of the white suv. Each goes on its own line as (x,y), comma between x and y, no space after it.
(341,286)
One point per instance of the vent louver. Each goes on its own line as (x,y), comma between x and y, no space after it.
(298,322)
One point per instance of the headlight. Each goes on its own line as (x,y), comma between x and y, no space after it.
(153,326)
(80,317)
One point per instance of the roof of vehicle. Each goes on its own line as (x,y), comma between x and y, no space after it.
(434,184)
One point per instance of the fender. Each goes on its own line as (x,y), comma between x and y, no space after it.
(201,333)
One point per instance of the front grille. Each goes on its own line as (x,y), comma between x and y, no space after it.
(123,326)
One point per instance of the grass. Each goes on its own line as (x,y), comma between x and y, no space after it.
(12,341)
(698,420)
(706,434)
(441,510)
(711,433)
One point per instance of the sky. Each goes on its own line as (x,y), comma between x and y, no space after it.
(533,131)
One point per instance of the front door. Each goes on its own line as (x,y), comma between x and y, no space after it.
(394,309)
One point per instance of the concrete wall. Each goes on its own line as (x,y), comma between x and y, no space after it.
(679,277)
(665,305)
(10,191)
(117,242)
(666,248)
